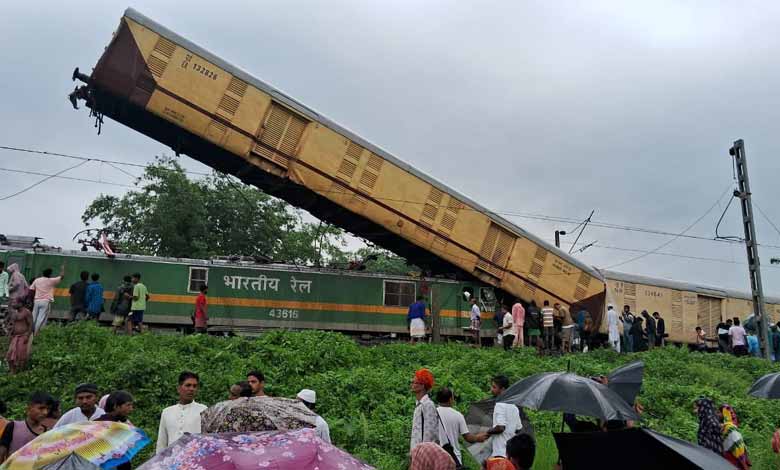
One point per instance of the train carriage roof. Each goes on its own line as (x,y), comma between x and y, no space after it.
(684,286)
(317,117)
(220,263)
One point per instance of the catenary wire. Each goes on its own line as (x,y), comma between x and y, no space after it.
(529,216)
(601,246)
(668,242)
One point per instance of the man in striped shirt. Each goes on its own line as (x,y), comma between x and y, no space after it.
(548,325)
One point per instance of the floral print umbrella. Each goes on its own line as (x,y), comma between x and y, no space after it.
(257,414)
(104,443)
(277,450)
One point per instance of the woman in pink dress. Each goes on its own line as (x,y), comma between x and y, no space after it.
(21,337)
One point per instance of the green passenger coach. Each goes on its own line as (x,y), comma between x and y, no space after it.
(245,297)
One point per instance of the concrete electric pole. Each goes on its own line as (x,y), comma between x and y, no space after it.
(757,290)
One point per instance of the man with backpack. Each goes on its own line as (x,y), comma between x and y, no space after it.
(120,306)
(452,425)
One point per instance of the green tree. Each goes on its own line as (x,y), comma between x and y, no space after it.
(172,215)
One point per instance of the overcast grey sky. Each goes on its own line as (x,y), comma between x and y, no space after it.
(532,107)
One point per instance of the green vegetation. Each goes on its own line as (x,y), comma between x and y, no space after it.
(364,392)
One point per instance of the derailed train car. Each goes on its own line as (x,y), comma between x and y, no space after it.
(171,90)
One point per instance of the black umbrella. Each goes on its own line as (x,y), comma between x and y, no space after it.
(570,393)
(626,381)
(480,418)
(72,462)
(767,386)
(637,449)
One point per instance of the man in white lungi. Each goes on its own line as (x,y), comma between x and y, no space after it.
(612,327)
(416,320)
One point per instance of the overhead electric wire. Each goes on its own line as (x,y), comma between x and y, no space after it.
(767,218)
(529,216)
(47,178)
(669,242)
(71,178)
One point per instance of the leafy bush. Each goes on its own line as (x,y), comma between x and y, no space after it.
(363,392)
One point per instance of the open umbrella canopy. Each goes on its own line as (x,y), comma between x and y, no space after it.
(480,418)
(570,393)
(72,462)
(767,386)
(104,443)
(637,449)
(257,414)
(277,450)
(626,381)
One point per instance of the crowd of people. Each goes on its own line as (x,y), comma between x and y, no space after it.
(553,330)
(437,428)
(43,412)
(29,305)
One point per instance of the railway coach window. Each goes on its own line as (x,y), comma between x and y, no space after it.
(399,293)
(198,277)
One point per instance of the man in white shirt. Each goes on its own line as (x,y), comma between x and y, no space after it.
(86,406)
(506,419)
(738,339)
(309,398)
(452,424)
(476,319)
(183,417)
(507,329)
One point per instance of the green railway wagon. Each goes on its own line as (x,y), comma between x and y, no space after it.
(246,297)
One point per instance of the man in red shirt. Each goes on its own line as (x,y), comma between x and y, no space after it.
(201,310)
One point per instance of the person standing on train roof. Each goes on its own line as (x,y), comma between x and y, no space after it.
(628,321)
(256,380)
(415,319)
(94,298)
(660,329)
(44,296)
(138,306)
(78,296)
(201,310)
(612,328)
(518,319)
(548,324)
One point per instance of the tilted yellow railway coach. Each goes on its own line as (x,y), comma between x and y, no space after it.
(164,86)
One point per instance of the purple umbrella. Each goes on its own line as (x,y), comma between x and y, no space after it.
(279,450)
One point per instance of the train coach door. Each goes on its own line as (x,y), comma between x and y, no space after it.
(709,314)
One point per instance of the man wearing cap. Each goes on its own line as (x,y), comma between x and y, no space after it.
(86,406)
(425,423)
(309,398)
